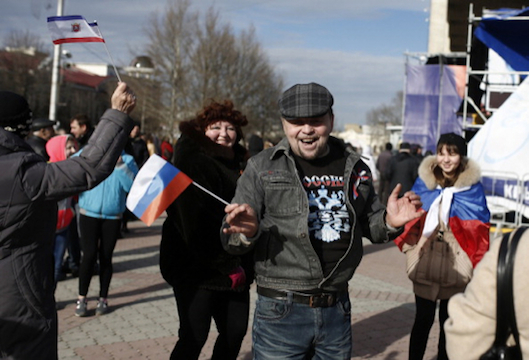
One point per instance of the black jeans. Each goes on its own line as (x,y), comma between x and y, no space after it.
(424,318)
(196,308)
(74,246)
(98,237)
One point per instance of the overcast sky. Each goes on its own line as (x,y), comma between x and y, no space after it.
(353,47)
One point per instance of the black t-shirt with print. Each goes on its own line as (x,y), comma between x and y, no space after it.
(329,223)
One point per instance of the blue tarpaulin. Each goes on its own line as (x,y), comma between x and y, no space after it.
(507,37)
(431,105)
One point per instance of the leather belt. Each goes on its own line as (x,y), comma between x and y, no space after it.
(316,300)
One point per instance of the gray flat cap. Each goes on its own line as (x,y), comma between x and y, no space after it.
(305,101)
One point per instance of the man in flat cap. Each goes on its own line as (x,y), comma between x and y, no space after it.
(29,190)
(42,130)
(303,206)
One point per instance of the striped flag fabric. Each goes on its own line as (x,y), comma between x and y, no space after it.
(468,217)
(73,29)
(156,186)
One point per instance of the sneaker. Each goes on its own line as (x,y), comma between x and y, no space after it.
(102,307)
(80,310)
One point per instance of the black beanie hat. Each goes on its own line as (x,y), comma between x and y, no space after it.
(15,114)
(454,139)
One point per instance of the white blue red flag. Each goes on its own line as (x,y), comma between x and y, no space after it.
(156,186)
(468,218)
(73,29)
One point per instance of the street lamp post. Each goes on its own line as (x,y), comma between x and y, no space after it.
(54,94)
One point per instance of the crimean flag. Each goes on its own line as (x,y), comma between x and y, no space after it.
(73,29)
(156,186)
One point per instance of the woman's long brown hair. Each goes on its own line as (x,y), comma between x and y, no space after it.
(439,177)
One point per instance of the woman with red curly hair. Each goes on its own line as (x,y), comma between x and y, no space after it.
(208,283)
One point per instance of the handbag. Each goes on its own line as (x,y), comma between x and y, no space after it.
(505,315)
(440,260)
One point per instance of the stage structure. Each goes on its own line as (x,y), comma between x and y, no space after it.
(490,108)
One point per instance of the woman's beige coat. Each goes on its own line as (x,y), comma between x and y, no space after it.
(471,326)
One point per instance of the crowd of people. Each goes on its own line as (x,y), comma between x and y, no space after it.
(297,214)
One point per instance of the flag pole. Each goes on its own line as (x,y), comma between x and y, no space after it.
(108,52)
(55,72)
(210,193)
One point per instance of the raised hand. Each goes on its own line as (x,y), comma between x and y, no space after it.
(123,99)
(401,210)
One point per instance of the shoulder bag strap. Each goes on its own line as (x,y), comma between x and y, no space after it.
(510,266)
(503,298)
(505,313)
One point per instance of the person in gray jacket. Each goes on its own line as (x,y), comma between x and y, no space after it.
(29,190)
(303,206)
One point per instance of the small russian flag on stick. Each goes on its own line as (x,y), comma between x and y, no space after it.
(156,186)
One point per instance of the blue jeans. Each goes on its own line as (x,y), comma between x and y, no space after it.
(283,329)
(61,242)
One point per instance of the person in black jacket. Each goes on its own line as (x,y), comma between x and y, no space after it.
(81,127)
(29,190)
(42,131)
(402,169)
(382,165)
(207,282)
(136,146)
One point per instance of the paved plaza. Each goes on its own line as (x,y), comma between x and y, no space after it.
(143,323)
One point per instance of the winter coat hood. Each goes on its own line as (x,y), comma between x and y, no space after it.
(56,147)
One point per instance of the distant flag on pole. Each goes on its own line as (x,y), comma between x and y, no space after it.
(73,29)
(156,186)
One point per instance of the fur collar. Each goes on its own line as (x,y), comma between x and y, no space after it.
(470,176)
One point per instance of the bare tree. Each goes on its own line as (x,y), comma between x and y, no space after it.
(387,114)
(24,70)
(18,39)
(199,58)
(170,46)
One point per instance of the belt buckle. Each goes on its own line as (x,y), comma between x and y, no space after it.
(322,300)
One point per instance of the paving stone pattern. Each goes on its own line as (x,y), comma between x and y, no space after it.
(143,323)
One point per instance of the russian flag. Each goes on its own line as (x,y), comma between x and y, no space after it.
(156,186)
(469,218)
(73,29)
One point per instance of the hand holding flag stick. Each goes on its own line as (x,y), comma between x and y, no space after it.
(75,29)
(156,186)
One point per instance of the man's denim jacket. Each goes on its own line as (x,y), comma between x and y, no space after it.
(283,253)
